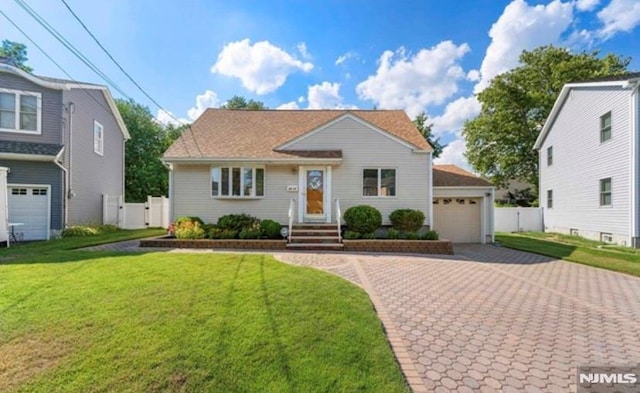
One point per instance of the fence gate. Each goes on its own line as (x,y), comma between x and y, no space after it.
(153,213)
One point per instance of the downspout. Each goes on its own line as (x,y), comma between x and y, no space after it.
(171,200)
(57,162)
(430,186)
(68,194)
(635,165)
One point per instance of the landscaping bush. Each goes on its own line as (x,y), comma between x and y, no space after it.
(270,229)
(219,233)
(363,219)
(88,230)
(238,222)
(407,219)
(351,235)
(411,236)
(181,220)
(371,235)
(249,233)
(430,235)
(190,230)
(393,234)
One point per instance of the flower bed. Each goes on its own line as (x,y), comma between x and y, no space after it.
(400,246)
(237,244)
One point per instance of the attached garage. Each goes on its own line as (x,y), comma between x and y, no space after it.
(462,205)
(30,209)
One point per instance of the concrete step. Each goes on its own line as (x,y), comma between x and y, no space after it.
(314,226)
(315,246)
(314,232)
(315,239)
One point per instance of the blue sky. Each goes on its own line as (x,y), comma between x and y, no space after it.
(412,55)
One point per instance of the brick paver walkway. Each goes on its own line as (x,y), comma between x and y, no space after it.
(489,318)
(494,319)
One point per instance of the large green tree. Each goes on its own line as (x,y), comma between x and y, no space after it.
(425,129)
(144,172)
(516,104)
(17,52)
(239,102)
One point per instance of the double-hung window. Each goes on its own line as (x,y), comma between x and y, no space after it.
(549,199)
(379,182)
(605,192)
(605,127)
(549,155)
(98,138)
(238,182)
(20,111)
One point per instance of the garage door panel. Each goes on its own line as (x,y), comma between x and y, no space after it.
(458,219)
(29,205)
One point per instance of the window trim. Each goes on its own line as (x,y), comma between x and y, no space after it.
(230,180)
(610,127)
(602,193)
(550,155)
(18,94)
(550,198)
(99,152)
(379,169)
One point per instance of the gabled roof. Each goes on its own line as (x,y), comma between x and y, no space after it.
(66,84)
(37,149)
(620,81)
(234,134)
(454,176)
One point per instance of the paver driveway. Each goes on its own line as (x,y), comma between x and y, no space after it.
(493,319)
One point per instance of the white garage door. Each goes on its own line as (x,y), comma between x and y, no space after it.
(29,205)
(458,219)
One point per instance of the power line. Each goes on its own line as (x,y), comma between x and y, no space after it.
(116,63)
(53,61)
(69,46)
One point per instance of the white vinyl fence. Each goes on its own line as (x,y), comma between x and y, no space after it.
(518,219)
(152,213)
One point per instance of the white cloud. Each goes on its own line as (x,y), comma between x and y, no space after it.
(587,5)
(412,82)
(167,118)
(302,48)
(301,99)
(521,27)
(455,114)
(473,75)
(262,67)
(289,105)
(454,154)
(349,55)
(326,96)
(208,99)
(619,15)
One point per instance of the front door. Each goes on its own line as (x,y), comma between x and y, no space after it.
(315,188)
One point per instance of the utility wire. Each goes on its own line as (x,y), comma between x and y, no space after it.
(84,26)
(53,61)
(69,46)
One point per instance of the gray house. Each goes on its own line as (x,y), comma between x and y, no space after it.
(589,151)
(63,142)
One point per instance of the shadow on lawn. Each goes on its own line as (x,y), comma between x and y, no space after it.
(506,249)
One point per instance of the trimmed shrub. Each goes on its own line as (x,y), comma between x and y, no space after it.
(270,229)
(88,230)
(430,235)
(411,236)
(180,220)
(351,235)
(407,219)
(363,219)
(250,234)
(219,233)
(371,235)
(393,234)
(238,222)
(189,230)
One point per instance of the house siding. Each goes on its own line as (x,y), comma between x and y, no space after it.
(92,175)
(580,160)
(46,173)
(51,119)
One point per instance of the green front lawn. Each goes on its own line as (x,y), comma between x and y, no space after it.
(97,321)
(575,249)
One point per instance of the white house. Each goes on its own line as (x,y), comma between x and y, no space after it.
(589,151)
(267,163)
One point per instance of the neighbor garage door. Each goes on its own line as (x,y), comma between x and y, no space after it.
(30,206)
(458,219)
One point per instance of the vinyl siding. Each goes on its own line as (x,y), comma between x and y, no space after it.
(91,174)
(51,119)
(580,161)
(361,148)
(30,172)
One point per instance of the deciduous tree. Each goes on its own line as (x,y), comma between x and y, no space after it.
(239,102)
(426,131)
(17,52)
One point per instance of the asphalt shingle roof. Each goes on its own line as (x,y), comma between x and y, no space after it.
(223,133)
(37,149)
(454,176)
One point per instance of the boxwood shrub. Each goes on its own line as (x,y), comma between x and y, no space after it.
(270,229)
(363,219)
(407,220)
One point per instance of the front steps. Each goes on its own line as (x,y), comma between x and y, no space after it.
(317,237)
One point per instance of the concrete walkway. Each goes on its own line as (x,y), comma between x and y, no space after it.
(489,318)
